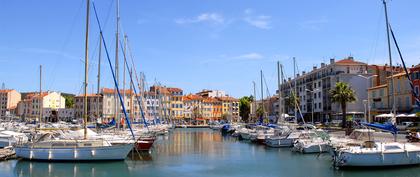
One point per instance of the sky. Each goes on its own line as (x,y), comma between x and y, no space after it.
(197,44)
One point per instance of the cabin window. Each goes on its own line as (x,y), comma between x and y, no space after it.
(392,147)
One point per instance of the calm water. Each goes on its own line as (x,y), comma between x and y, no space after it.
(202,152)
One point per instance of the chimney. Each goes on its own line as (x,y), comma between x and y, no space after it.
(314,68)
(297,75)
(322,65)
(303,73)
(332,60)
(289,79)
(350,58)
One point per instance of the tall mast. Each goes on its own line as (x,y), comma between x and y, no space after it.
(295,89)
(279,87)
(131,97)
(390,60)
(40,94)
(262,93)
(86,70)
(255,100)
(99,75)
(124,71)
(117,75)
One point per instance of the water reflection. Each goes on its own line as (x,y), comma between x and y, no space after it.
(26,168)
(191,142)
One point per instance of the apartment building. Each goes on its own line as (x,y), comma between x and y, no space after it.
(313,89)
(9,99)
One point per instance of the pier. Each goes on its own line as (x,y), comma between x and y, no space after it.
(6,154)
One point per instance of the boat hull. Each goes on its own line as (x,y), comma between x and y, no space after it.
(345,159)
(114,152)
(277,143)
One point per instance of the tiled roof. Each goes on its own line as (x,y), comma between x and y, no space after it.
(227,98)
(88,95)
(385,67)
(5,91)
(110,91)
(190,97)
(172,89)
(349,61)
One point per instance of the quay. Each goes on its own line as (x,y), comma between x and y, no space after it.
(6,154)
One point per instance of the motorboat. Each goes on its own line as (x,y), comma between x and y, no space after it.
(10,138)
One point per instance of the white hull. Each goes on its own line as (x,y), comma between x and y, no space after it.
(378,159)
(384,154)
(114,152)
(311,147)
(279,142)
(245,135)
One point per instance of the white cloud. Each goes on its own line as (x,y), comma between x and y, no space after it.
(259,21)
(213,18)
(250,56)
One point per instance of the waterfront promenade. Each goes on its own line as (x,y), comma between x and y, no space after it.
(203,152)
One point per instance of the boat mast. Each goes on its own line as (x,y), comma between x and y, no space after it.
(262,94)
(99,75)
(295,89)
(86,71)
(117,106)
(124,71)
(40,94)
(393,111)
(279,86)
(255,100)
(131,97)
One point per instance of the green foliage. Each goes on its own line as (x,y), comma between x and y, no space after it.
(342,94)
(292,100)
(245,107)
(69,101)
(260,112)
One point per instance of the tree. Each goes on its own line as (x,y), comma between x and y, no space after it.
(260,112)
(69,101)
(245,107)
(291,101)
(342,94)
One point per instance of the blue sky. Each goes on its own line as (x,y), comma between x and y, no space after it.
(213,44)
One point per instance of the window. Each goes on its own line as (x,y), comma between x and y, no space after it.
(319,105)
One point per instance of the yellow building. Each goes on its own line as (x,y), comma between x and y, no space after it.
(177,106)
(230,108)
(380,97)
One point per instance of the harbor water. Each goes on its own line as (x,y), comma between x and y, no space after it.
(202,152)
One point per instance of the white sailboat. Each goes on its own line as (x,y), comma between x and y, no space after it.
(379,153)
(51,148)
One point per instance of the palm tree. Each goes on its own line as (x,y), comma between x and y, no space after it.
(342,94)
(291,101)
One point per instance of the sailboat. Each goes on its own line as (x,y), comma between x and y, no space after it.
(49,148)
(380,153)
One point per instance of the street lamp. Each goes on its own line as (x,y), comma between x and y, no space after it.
(368,100)
(312,93)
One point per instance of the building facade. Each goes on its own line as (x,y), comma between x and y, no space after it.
(313,89)
(9,100)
